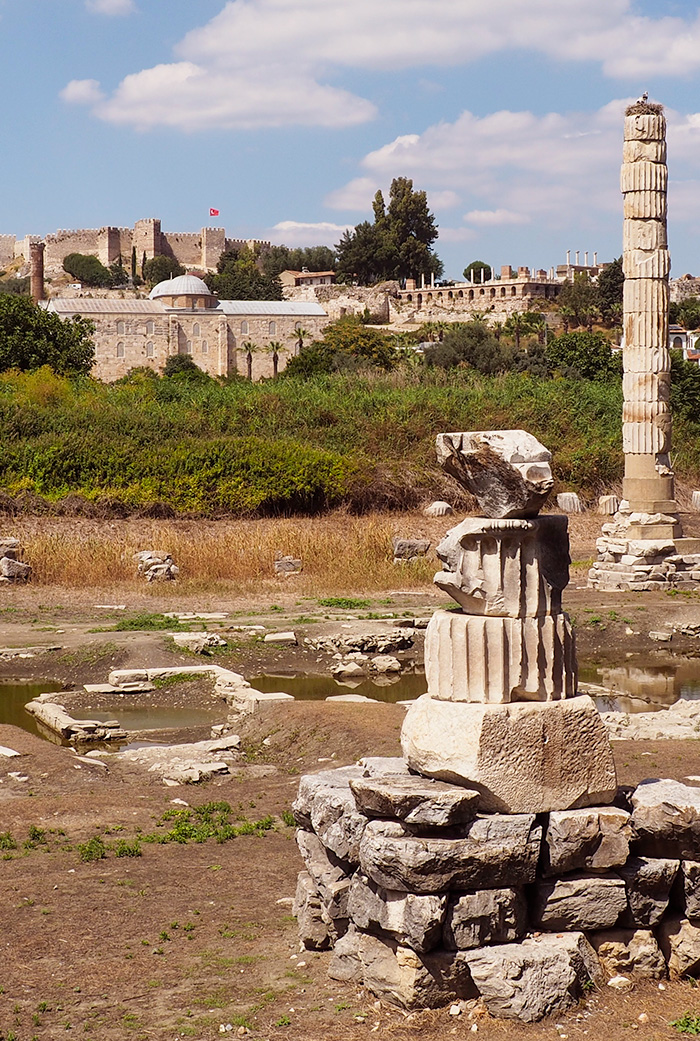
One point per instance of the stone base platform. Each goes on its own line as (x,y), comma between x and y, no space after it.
(639,552)
(425,900)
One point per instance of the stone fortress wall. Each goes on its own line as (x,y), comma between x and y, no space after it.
(200,249)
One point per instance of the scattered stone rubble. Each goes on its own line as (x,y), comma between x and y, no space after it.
(12,569)
(365,643)
(286,565)
(190,763)
(228,685)
(427,899)
(439,508)
(156,565)
(406,550)
(197,642)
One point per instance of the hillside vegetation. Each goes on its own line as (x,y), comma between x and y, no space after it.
(291,445)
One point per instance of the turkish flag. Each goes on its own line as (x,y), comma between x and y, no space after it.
(213,213)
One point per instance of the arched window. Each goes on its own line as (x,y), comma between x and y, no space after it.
(492,292)
(244,328)
(205,347)
(150,328)
(297,325)
(482,292)
(272,328)
(503,290)
(188,347)
(121,328)
(195,329)
(120,350)
(513,290)
(460,295)
(471,294)
(149,350)
(677,342)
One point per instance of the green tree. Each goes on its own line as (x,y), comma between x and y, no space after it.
(346,344)
(473,345)
(610,284)
(159,269)
(580,298)
(250,348)
(183,367)
(685,386)
(238,277)
(685,313)
(87,269)
(277,259)
(31,336)
(274,347)
(397,245)
(584,354)
(480,270)
(21,286)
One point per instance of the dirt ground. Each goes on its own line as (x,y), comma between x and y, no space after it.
(189,938)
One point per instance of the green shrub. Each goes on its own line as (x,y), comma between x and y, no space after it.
(93,849)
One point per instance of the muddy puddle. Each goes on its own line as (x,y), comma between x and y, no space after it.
(642,687)
(13,698)
(402,687)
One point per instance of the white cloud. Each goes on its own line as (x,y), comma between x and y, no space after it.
(299,233)
(81,92)
(356,195)
(514,168)
(443,200)
(272,62)
(494,218)
(111,7)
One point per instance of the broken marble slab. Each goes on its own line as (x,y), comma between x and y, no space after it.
(594,838)
(415,800)
(484,917)
(412,919)
(493,851)
(579,901)
(508,471)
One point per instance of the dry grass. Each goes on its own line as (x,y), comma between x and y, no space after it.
(341,554)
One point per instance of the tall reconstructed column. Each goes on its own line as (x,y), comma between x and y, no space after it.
(642,548)
(646,415)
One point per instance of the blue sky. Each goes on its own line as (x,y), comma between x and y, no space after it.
(287,115)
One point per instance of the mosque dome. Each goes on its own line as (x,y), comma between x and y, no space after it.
(183,285)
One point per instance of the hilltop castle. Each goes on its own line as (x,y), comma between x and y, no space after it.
(199,249)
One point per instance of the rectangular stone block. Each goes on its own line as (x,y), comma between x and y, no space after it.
(399,975)
(326,805)
(523,758)
(579,902)
(666,818)
(415,800)
(494,851)
(329,877)
(648,882)
(487,916)
(410,918)
(597,838)
(316,930)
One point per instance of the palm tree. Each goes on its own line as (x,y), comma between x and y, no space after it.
(250,347)
(274,347)
(299,335)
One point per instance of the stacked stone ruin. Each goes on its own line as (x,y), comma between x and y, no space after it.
(498,859)
(642,547)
